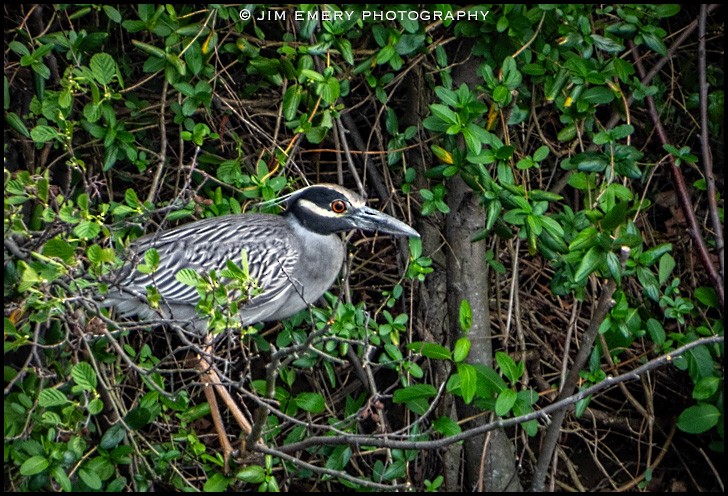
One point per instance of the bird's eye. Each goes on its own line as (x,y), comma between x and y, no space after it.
(338,206)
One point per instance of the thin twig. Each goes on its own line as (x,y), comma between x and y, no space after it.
(352,168)
(554,408)
(682,193)
(705,144)
(553,432)
(162,145)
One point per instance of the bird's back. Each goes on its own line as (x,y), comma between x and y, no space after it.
(273,246)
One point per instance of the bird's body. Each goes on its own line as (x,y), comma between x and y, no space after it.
(294,257)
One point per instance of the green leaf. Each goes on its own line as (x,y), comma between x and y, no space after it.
(622,30)
(90,478)
(113,437)
(34,465)
(525,163)
(434,123)
(706,387)
(448,96)
(505,402)
(149,49)
(313,75)
(417,398)
(131,198)
(614,266)
(654,43)
(581,181)
(591,262)
(217,483)
(253,474)
(112,13)
(501,95)
(667,265)
(468,381)
(461,349)
(446,426)
(471,141)
(698,419)
(87,229)
(649,257)
(151,257)
(621,132)
(590,162)
(581,405)
(103,67)
(339,458)
(656,331)
(615,217)
(418,391)
(95,406)
(59,475)
(492,382)
(43,134)
(330,91)
(649,283)
(430,350)
(316,134)
(188,277)
(83,374)
(59,248)
(552,227)
(138,417)
(598,95)
(707,296)
(606,44)
(585,239)
(291,101)
(19,48)
(567,134)
(52,397)
(666,10)
(533,69)
(345,49)
(541,195)
(310,402)
(15,122)
(409,43)
(507,366)
(444,113)
(466,317)
(179,65)
(541,153)
(502,24)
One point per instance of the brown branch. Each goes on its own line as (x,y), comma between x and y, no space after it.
(686,32)
(162,145)
(563,404)
(705,144)
(682,193)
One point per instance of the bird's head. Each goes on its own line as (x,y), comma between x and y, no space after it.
(328,209)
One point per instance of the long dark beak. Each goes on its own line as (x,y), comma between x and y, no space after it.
(373,220)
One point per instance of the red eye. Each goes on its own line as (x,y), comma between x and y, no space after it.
(338,206)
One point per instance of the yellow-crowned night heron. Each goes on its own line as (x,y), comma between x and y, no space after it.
(295,257)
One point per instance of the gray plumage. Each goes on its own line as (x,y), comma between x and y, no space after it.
(294,257)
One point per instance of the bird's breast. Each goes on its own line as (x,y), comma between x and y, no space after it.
(319,264)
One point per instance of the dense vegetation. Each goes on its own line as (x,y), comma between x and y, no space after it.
(559,324)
